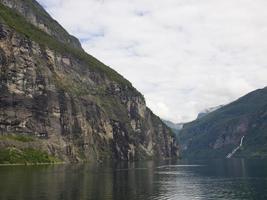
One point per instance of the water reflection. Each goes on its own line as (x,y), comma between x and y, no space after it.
(217,179)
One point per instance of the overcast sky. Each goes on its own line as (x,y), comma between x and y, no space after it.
(183,55)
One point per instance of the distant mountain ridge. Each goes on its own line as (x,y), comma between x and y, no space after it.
(207,111)
(177,126)
(240,125)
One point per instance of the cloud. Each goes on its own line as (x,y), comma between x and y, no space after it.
(183,55)
(48,4)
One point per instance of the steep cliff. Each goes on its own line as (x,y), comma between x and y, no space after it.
(238,129)
(65,102)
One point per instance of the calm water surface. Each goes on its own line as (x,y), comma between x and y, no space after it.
(169,180)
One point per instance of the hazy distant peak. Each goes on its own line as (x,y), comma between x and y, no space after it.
(208,110)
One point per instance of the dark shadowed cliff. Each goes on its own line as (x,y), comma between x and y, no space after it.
(58,102)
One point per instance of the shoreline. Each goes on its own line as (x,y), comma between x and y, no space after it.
(31,164)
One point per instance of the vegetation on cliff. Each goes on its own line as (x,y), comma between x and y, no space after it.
(25,156)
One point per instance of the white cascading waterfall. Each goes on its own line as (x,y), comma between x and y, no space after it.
(235,150)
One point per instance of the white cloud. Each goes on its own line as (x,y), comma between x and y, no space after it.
(183,55)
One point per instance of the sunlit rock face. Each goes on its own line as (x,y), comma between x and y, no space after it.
(74,107)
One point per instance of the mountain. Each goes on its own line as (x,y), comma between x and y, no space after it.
(207,111)
(238,129)
(176,127)
(60,104)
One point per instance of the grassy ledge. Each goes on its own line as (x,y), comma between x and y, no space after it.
(25,156)
(20,138)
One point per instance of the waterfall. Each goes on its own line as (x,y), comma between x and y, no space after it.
(238,147)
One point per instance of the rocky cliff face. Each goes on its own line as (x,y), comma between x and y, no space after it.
(70,104)
(220,132)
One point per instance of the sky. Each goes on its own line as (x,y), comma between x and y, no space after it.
(183,55)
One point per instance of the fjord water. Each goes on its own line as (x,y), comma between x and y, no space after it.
(214,179)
